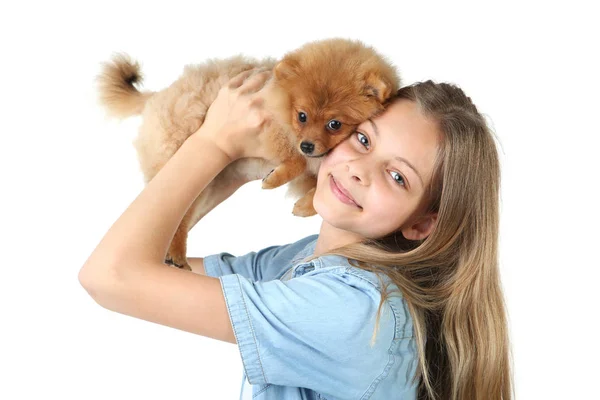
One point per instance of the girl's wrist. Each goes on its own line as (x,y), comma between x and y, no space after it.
(199,138)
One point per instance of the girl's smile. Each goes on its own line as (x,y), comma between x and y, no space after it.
(342,194)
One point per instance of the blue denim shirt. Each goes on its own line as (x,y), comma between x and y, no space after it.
(304,329)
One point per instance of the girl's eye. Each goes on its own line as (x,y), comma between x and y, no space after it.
(398,178)
(362,139)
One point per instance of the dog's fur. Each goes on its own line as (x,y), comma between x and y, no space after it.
(329,80)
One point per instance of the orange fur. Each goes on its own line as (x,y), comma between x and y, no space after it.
(328,80)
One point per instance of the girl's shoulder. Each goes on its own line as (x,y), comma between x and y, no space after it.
(362,282)
(340,268)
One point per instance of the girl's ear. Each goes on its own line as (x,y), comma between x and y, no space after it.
(420,229)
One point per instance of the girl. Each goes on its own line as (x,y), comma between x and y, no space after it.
(398,296)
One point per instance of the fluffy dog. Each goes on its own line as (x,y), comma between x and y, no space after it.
(317,95)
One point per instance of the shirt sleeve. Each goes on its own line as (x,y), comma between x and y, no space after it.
(265,264)
(313,331)
(247,265)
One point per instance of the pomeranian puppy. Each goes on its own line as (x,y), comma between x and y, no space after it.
(317,96)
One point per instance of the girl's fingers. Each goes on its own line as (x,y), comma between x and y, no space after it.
(237,80)
(255,82)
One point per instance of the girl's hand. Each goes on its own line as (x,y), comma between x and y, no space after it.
(236,117)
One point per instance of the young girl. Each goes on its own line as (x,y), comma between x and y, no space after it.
(397,297)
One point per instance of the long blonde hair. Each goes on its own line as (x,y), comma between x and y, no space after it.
(450,280)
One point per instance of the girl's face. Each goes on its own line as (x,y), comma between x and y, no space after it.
(384,167)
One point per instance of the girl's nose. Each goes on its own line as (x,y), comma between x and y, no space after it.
(358,173)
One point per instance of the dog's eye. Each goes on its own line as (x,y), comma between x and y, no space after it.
(302,117)
(334,125)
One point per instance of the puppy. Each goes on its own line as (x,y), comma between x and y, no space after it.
(317,96)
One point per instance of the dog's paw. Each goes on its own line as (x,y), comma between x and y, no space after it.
(268,185)
(270,181)
(303,208)
(180,264)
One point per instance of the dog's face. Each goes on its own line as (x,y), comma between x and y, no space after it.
(333,86)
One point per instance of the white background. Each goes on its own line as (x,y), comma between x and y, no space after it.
(68,173)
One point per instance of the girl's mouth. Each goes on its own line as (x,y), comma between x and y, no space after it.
(339,194)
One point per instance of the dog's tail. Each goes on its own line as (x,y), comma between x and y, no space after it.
(117,93)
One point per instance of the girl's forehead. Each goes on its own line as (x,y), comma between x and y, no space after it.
(400,113)
(403,119)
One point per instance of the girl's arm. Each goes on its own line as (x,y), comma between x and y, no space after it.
(126,271)
(197,265)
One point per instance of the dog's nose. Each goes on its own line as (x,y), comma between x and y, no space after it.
(307,147)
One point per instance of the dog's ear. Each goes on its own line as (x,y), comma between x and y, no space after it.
(287,68)
(377,86)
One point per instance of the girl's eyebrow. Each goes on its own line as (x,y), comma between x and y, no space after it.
(401,159)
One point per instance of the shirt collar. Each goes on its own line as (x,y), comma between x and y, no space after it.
(300,267)
(307,251)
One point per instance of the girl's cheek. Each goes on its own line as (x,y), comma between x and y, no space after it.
(332,157)
(342,152)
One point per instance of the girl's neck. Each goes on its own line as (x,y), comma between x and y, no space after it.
(331,238)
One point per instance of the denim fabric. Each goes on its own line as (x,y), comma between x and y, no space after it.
(303,329)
